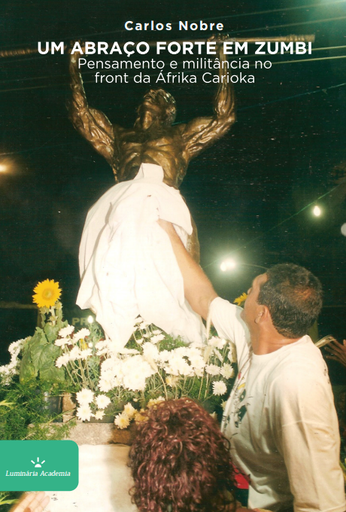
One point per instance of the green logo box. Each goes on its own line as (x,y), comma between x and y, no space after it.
(38,465)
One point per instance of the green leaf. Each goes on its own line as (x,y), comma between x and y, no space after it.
(7,502)
(27,370)
(4,403)
(51,331)
(46,364)
(48,355)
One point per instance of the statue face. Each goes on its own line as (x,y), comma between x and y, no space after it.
(158,104)
(152,100)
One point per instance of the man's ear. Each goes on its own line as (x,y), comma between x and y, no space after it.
(262,314)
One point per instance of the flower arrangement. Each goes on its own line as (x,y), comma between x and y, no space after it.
(152,367)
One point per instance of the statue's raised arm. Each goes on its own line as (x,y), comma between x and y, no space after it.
(202,132)
(126,260)
(92,124)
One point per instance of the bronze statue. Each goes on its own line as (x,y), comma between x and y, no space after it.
(153,138)
(126,261)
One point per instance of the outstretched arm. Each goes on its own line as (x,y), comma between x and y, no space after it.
(199,291)
(91,123)
(204,131)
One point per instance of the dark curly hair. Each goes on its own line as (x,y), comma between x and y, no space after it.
(293,296)
(180,461)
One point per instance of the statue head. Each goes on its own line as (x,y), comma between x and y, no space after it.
(159,100)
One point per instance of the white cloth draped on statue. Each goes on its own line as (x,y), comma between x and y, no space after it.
(126,260)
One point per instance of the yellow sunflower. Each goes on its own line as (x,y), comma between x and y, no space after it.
(241,299)
(46,293)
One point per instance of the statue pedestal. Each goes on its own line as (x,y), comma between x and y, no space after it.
(104,476)
(104,482)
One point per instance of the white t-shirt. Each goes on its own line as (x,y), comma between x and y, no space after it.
(281,422)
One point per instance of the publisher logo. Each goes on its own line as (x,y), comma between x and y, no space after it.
(38,465)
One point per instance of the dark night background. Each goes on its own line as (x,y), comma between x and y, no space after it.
(249,193)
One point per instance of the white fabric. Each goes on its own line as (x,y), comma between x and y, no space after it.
(281,422)
(126,260)
(104,482)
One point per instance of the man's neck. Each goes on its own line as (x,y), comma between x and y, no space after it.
(268,341)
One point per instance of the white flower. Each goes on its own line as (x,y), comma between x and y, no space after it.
(212,369)
(106,384)
(172,380)
(6,374)
(154,401)
(117,382)
(85,396)
(157,331)
(14,362)
(75,353)
(218,355)
(129,410)
(15,347)
(66,331)
(173,365)
(80,335)
(99,415)
(135,382)
(135,370)
(227,371)
(111,365)
(111,375)
(101,344)
(87,352)
(197,361)
(165,355)
(103,347)
(150,351)
(62,342)
(157,338)
(182,351)
(84,412)
(219,387)
(122,421)
(102,401)
(232,354)
(178,365)
(13,365)
(217,342)
(62,360)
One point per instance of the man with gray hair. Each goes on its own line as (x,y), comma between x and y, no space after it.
(280,416)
